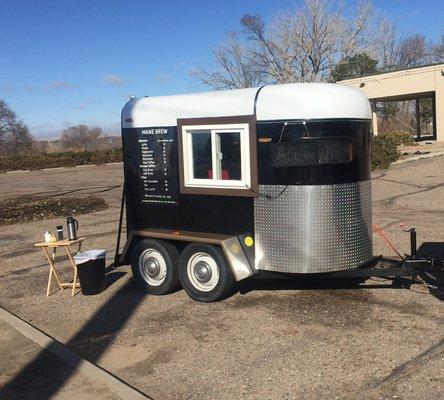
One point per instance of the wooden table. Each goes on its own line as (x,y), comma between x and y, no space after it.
(51,259)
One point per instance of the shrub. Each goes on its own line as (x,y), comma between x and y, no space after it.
(62,159)
(401,138)
(25,208)
(384,151)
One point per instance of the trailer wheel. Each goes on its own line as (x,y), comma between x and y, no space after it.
(438,287)
(154,265)
(204,273)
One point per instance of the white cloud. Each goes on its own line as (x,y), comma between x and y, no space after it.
(58,84)
(163,77)
(7,88)
(44,130)
(85,104)
(112,79)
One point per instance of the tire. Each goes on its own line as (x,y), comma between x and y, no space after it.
(355,282)
(438,290)
(438,293)
(204,273)
(155,266)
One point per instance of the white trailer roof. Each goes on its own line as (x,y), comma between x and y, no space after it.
(274,102)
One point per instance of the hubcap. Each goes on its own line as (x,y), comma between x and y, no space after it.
(203,271)
(152,267)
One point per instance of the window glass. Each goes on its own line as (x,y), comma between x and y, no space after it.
(228,155)
(202,164)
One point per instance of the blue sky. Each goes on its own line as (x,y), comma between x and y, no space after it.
(68,62)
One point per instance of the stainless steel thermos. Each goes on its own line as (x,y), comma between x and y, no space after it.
(72,225)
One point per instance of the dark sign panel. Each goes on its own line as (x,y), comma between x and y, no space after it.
(309,152)
(294,154)
(158,165)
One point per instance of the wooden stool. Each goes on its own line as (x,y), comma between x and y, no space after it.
(51,259)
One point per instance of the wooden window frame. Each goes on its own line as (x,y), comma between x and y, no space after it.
(220,122)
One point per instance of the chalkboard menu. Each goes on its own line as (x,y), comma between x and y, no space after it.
(158,165)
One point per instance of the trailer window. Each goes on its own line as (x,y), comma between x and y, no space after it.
(216,156)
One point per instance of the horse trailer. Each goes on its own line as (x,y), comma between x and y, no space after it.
(222,186)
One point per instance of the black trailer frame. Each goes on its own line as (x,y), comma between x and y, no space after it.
(428,268)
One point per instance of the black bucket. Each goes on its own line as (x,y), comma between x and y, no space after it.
(91,270)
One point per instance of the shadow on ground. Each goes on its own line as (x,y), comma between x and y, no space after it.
(312,283)
(42,378)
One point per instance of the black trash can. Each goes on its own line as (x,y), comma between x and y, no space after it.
(91,270)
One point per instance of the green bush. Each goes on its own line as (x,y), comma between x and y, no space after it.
(384,151)
(63,159)
(400,138)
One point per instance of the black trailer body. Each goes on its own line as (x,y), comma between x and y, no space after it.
(233,215)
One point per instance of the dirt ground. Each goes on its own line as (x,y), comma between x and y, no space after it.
(287,341)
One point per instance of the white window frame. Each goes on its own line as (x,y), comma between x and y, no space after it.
(215,129)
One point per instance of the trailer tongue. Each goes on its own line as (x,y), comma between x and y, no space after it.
(425,265)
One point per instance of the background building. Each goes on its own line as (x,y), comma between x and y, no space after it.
(423,85)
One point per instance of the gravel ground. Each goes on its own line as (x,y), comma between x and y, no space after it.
(290,340)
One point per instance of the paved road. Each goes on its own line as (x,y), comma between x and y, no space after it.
(289,341)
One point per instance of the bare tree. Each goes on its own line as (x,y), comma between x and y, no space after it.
(312,39)
(14,134)
(438,51)
(267,49)
(412,51)
(80,137)
(301,45)
(385,45)
(236,67)
(40,146)
(397,53)
(306,43)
